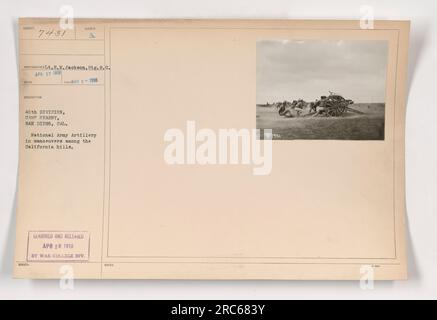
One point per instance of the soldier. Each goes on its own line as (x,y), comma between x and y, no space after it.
(312,106)
(323,100)
(319,106)
(282,107)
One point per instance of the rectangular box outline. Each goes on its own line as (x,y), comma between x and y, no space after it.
(62,260)
(224,257)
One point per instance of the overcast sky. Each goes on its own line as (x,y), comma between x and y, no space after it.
(288,70)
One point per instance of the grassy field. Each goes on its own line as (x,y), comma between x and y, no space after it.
(351,126)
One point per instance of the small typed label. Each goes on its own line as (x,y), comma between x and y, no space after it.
(53,246)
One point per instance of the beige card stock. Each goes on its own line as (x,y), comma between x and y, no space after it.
(211,149)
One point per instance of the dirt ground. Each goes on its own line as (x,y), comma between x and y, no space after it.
(351,126)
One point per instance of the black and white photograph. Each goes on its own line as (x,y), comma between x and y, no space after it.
(321,89)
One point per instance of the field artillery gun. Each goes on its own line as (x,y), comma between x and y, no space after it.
(333,105)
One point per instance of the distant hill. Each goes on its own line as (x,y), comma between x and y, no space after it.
(265,105)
